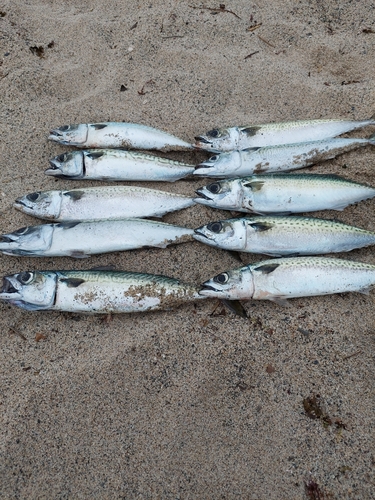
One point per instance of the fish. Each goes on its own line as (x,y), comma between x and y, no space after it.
(270,159)
(82,239)
(283,193)
(93,291)
(275,134)
(117,135)
(281,236)
(116,165)
(280,279)
(97,203)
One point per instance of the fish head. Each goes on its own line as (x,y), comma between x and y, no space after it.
(42,204)
(219,165)
(226,194)
(67,165)
(27,240)
(31,290)
(228,234)
(236,284)
(218,139)
(72,135)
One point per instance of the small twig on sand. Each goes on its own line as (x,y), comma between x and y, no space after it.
(17,332)
(216,9)
(352,355)
(265,41)
(253,28)
(253,53)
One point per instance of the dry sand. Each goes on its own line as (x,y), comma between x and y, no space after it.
(191,403)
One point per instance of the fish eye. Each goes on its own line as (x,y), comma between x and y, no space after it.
(221,278)
(214,188)
(33,196)
(64,128)
(215,227)
(213,133)
(61,158)
(213,158)
(25,277)
(22,230)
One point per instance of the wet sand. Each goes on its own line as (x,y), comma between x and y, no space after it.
(193,402)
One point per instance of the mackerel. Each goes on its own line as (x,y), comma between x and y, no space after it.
(97,203)
(276,158)
(116,165)
(286,278)
(284,193)
(279,236)
(81,239)
(95,291)
(117,135)
(274,134)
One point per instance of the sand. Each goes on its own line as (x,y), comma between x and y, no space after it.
(194,402)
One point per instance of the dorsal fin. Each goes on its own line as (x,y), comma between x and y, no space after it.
(110,267)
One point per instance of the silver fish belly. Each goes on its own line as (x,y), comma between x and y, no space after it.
(276,158)
(274,134)
(95,291)
(278,236)
(281,279)
(98,203)
(116,165)
(81,239)
(117,135)
(284,193)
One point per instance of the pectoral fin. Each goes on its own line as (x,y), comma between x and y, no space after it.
(254,185)
(72,282)
(235,307)
(261,226)
(266,268)
(280,301)
(78,254)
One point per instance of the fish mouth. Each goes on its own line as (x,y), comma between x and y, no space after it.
(199,233)
(18,203)
(55,135)
(53,170)
(202,139)
(6,239)
(202,165)
(202,195)
(205,287)
(8,287)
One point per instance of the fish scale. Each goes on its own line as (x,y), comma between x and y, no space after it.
(98,203)
(95,291)
(279,235)
(116,165)
(117,135)
(281,279)
(276,158)
(284,193)
(81,239)
(274,134)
